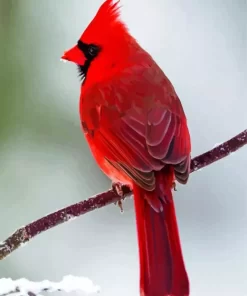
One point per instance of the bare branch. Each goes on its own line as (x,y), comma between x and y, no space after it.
(29,231)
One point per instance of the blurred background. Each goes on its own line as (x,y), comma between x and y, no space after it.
(45,163)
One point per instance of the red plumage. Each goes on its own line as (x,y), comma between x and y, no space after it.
(137,131)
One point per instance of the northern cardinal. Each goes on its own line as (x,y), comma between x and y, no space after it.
(137,131)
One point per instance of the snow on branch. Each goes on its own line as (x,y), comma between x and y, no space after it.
(24,287)
(26,233)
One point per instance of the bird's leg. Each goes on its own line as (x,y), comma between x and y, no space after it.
(117,188)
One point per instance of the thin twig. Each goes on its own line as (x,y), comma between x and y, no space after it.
(29,231)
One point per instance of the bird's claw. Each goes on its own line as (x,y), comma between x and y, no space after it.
(117,188)
(120,205)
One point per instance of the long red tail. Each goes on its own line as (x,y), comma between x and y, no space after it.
(162,270)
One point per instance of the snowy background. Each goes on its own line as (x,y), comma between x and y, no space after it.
(45,163)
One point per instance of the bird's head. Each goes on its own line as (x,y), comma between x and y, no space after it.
(104,44)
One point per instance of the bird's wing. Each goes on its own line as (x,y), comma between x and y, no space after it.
(139,126)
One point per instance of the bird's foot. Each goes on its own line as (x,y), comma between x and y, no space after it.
(117,188)
(120,205)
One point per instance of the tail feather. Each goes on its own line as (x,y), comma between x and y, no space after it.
(162,270)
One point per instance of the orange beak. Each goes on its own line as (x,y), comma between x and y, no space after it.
(74,55)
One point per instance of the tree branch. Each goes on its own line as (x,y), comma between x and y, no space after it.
(24,234)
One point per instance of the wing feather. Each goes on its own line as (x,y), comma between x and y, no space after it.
(141,134)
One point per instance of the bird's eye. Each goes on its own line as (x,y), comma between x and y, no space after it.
(93,50)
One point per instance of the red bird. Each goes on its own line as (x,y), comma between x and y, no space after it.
(137,131)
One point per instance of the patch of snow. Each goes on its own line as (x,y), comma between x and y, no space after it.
(68,284)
